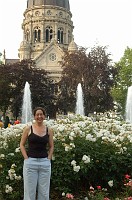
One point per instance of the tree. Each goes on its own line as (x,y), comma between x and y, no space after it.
(123,79)
(95,73)
(5,88)
(42,87)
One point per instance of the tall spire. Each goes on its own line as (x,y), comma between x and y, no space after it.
(4,54)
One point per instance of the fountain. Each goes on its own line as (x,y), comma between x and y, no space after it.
(79,100)
(129,105)
(27,105)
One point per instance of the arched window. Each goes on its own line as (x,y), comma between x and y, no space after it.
(49,33)
(27,35)
(69,37)
(60,35)
(37,34)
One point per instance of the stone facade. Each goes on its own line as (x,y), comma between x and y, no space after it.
(47,32)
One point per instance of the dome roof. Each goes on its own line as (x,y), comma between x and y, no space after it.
(25,44)
(60,3)
(72,46)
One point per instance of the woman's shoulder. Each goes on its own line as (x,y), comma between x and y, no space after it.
(27,129)
(49,130)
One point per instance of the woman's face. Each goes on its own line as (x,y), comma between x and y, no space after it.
(39,116)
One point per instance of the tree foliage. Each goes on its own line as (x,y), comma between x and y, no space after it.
(13,79)
(123,79)
(5,87)
(95,73)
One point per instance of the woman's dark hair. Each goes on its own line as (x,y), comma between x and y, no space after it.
(39,108)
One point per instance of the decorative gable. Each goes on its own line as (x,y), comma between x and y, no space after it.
(49,59)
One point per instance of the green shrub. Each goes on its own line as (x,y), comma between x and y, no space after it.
(88,153)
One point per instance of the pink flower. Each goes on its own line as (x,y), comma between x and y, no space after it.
(106,198)
(129,183)
(69,196)
(128,198)
(99,187)
(127,176)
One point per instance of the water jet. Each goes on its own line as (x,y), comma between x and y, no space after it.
(79,100)
(128,111)
(27,105)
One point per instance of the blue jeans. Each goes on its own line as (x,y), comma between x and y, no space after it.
(36,174)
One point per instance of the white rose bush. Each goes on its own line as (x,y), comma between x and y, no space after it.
(11,161)
(92,159)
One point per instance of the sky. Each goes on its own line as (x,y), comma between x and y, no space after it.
(103,22)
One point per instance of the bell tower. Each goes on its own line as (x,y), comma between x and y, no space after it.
(47,31)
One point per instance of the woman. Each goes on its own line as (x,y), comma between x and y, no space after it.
(37,159)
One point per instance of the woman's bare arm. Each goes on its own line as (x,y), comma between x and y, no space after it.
(23,141)
(51,144)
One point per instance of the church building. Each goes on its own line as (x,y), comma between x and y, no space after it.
(47,32)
